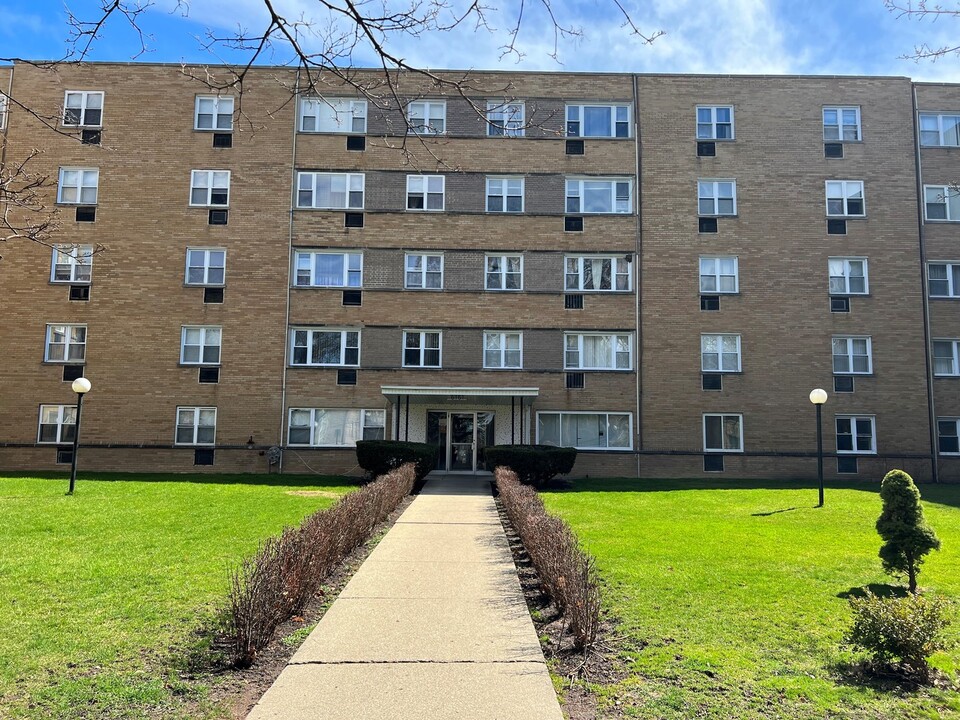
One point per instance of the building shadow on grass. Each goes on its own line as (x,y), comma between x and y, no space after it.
(271,480)
(878,589)
(776,512)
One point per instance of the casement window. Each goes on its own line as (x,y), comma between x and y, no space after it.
(324,347)
(209,188)
(325,427)
(596,195)
(504,194)
(597,351)
(425,192)
(714,122)
(945,358)
(206,266)
(856,434)
(200,345)
(505,119)
(427,117)
(719,275)
(586,430)
(948,437)
(944,279)
(421,348)
(583,273)
(58,424)
(841,124)
(423,272)
(83,109)
(196,425)
(329,269)
(720,353)
(848,276)
(213,112)
(717,197)
(941,202)
(852,356)
(939,130)
(330,191)
(845,198)
(502,350)
(66,344)
(504,272)
(722,432)
(598,121)
(333,115)
(78,186)
(71,264)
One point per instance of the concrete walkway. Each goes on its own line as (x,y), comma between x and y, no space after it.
(433,626)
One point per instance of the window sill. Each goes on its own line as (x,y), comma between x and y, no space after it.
(846,217)
(852,374)
(725,452)
(197,364)
(225,131)
(64,362)
(718,217)
(330,133)
(856,453)
(324,367)
(330,209)
(201,285)
(612,371)
(209,207)
(844,142)
(70,282)
(717,140)
(500,369)
(940,221)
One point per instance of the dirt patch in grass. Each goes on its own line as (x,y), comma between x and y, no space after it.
(315,493)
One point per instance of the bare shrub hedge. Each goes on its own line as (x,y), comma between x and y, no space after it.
(279,580)
(567,573)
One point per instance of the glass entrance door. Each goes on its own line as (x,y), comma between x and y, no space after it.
(463,447)
(461,436)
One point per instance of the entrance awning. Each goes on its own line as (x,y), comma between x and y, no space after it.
(456,393)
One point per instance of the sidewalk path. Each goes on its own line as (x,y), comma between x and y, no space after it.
(433,626)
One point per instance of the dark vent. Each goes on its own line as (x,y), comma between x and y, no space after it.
(64,456)
(833,150)
(840,304)
(353,220)
(223,140)
(356,142)
(706,149)
(575,381)
(203,456)
(713,463)
(573,302)
(79,292)
(352,298)
(213,295)
(836,227)
(217,217)
(710,302)
(573,224)
(91,137)
(843,384)
(346,377)
(72,372)
(708,225)
(847,465)
(209,375)
(86,214)
(711,381)
(574,147)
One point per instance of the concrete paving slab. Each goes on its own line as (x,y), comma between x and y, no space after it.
(473,512)
(431,580)
(418,542)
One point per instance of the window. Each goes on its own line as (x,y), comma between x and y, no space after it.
(213,113)
(328,269)
(66,344)
(200,345)
(841,123)
(594,195)
(852,356)
(845,197)
(209,187)
(505,119)
(423,272)
(83,109)
(941,202)
(78,186)
(945,358)
(421,348)
(598,121)
(586,430)
(848,276)
(722,433)
(948,439)
(326,347)
(939,130)
(428,117)
(715,122)
(583,273)
(425,192)
(321,427)
(503,350)
(206,266)
(504,272)
(944,279)
(596,351)
(719,275)
(71,263)
(330,191)
(856,434)
(196,425)
(3,111)
(333,115)
(505,195)
(58,424)
(720,353)
(717,197)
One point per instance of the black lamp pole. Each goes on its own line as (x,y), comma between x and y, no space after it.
(819,453)
(81,386)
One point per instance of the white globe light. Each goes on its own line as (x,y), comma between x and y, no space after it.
(81,386)
(818,396)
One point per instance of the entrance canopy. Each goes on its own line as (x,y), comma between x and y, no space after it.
(458,393)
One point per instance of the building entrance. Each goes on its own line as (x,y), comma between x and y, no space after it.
(461,437)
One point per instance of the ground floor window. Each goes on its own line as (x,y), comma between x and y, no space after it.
(723,433)
(58,423)
(856,434)
(324,427)
(196,425)
(948,437)
(585,430)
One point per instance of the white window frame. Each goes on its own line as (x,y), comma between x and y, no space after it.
(422,335)
(425,192)
(940,130)
(3,111)
(75,258)
(616,271)
(206,267)
(342,112)
(63,411)
(953,288)
(707,129)
(347,275)
(358,418)
(847,190)
(502,274)
(345,346)
(217,113)
(502,350)
(561,413)
(615,340)
(504,193)
(207,332)
(720,353)
(83,176)
(208,180)
(68,344)
(954,357)
(576,189)
(717,276)
(84,108)
(854,435)
(841,125)
(845,276)
(506,118)
(197,412)
(350,181)
(849,355)
(431,118)
(709,189)
(574,114)
(723,417)
(955,422)
(944,196)
(422,272)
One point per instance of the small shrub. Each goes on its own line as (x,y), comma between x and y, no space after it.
(378,457)
(906,534)
(534,464)
(907,630)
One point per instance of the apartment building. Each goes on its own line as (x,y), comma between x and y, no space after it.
(655,269)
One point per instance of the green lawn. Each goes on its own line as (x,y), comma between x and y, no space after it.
(733,595)
(100,591)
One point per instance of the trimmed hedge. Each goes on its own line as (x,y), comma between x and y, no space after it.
(378,457)
(534,464)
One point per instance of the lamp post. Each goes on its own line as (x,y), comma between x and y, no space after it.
(818,397)
(81,386)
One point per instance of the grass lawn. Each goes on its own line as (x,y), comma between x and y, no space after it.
(733,595)
(100,590)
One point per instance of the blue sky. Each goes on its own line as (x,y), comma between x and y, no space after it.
(720,36)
